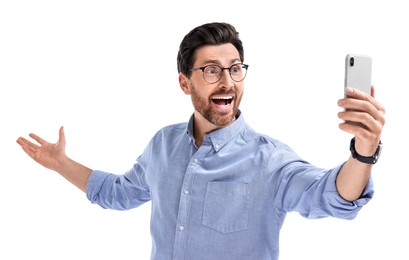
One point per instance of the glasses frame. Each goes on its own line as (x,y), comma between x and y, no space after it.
(203,68)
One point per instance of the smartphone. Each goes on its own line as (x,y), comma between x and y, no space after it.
(358,71)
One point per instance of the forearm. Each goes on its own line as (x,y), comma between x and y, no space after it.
(74,172)
(352,179)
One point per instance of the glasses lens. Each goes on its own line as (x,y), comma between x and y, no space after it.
(238,72)
(212,73)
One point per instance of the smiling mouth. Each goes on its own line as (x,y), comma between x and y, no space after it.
(222,101)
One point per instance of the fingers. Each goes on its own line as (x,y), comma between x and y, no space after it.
(365,110)
(362,111)
(357,94)
(32,148)
(360,101)
(27,146)
(37,138)
(23,142)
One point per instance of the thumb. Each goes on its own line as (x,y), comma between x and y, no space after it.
(61,138)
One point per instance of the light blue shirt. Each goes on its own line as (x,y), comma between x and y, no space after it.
(224,200)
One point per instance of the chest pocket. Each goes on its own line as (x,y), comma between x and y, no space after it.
(226,206)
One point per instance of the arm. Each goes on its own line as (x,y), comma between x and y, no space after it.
(354,175)
(52,156)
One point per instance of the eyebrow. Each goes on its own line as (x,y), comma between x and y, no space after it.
(235,60)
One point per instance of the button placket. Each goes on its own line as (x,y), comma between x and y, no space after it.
(185,201)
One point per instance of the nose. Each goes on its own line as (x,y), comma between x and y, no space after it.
(226,81)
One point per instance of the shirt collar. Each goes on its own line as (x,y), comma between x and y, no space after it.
(220,137)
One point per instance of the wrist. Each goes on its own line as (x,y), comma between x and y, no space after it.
(365,159)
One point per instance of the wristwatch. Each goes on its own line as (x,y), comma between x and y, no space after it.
(365,159)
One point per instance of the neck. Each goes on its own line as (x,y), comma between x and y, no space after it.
(202,126)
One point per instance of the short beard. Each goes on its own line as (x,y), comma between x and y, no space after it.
(203,106)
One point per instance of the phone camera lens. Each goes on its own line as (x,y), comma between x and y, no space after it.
(351,61)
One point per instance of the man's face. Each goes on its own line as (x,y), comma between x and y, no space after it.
(218,103)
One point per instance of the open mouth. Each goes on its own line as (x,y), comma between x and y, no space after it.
(222,102)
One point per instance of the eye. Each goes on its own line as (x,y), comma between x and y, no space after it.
(212,70)
(235,69)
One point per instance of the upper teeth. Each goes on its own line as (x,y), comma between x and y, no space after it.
(223,97)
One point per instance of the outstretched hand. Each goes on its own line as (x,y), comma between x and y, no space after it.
(47,154)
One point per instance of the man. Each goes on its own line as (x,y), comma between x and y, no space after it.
(219,189)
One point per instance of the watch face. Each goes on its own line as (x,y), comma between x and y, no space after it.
(378,152)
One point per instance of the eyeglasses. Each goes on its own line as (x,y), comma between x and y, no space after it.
(213,73)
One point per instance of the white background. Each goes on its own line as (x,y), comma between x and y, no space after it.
(106,71)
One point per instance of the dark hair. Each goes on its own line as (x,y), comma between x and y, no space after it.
(206,34)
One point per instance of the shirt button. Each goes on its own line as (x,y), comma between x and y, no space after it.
(217,146)
(196,160)
(181,228)
(186,192)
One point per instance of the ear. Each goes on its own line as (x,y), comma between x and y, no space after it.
(184,83)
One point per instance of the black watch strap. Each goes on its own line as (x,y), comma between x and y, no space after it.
(365,159)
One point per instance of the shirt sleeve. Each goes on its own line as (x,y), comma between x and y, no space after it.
(330,203)
(119,192)
(311,191)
